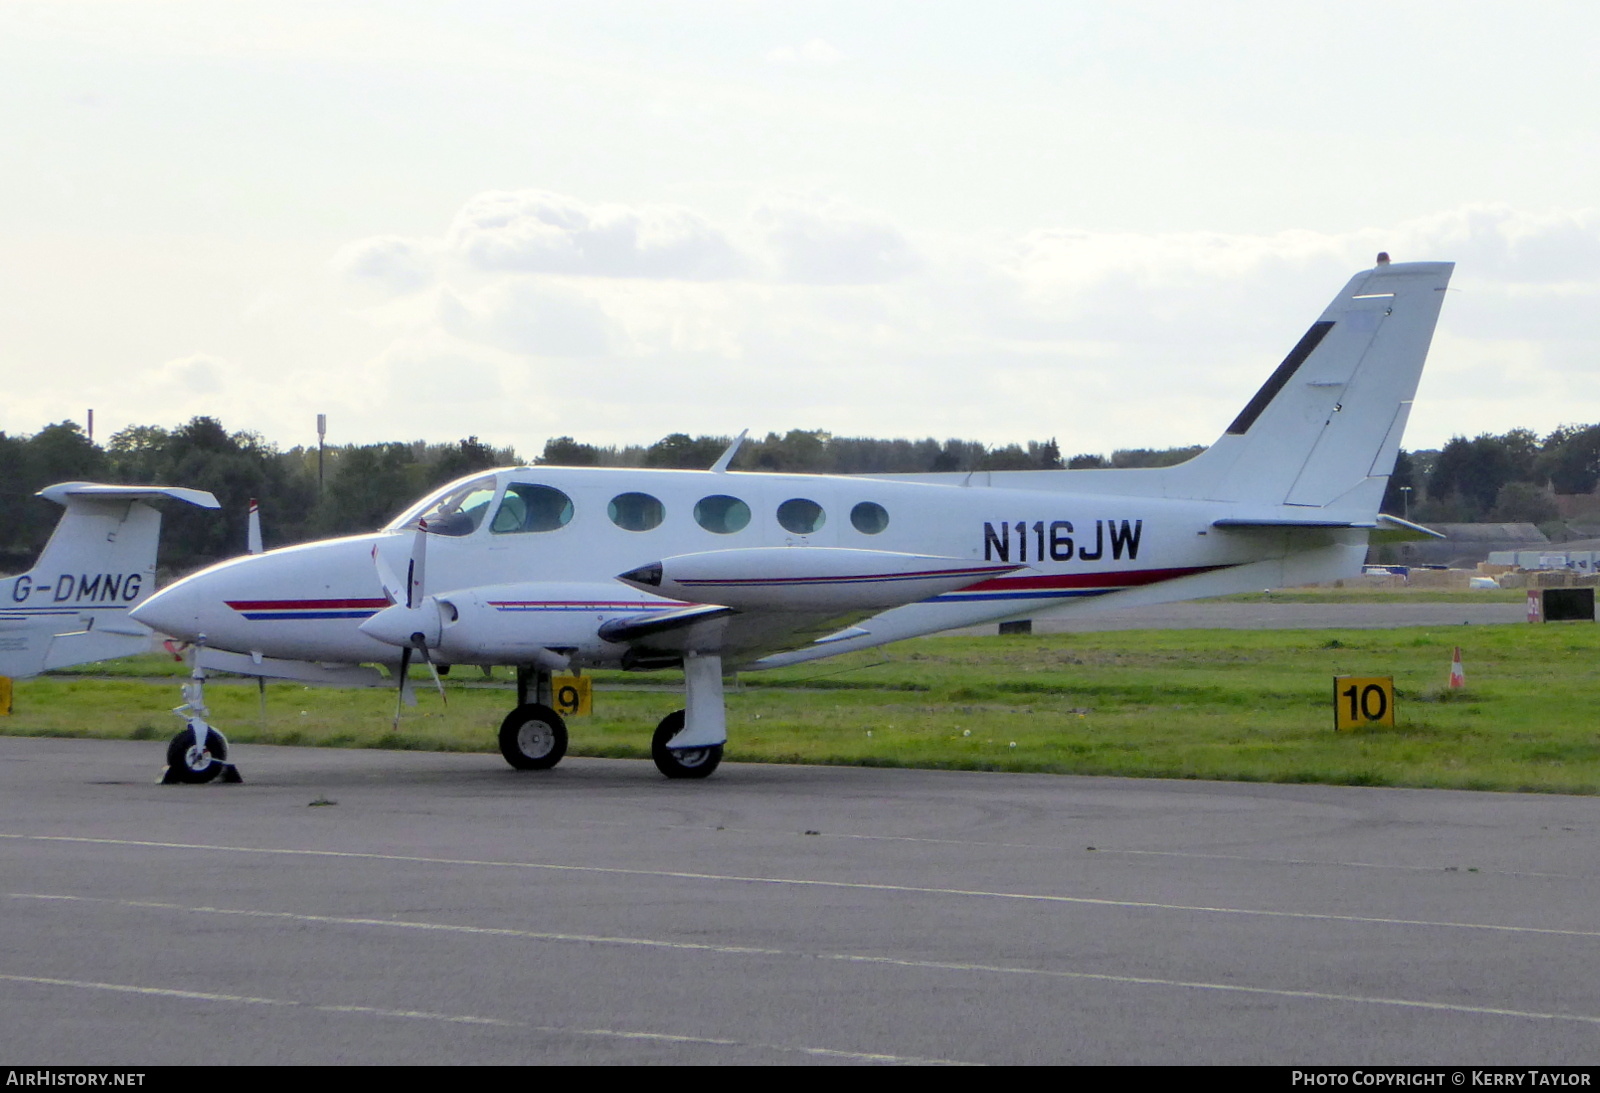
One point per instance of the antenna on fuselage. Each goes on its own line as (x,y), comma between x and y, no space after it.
(721,465)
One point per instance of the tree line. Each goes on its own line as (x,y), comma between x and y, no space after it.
(348,489)
(1509,477)
(357,487)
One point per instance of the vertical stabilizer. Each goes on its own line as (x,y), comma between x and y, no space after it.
(1324,430)
(100,562)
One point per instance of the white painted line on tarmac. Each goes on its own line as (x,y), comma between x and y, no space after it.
(1248,859)
(860,886)
(469,1019)
(1058,848)
(744,950)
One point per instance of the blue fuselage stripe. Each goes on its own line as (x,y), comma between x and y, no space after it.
(274,616)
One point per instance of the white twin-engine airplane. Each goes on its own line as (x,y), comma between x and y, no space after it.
(554,568)
(73,606)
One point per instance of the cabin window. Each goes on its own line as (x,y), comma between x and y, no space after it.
(531,508)
(869,517)
(636,511)
(801,516)
(460,512)
(722,514)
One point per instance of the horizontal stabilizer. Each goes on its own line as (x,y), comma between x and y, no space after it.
(88,646)
(1273,522)
(61,492)
(1385,528)
(1392,529)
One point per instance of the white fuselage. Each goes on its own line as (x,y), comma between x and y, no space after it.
(555,587)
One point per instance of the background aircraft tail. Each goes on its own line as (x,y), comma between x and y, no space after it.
(100,562)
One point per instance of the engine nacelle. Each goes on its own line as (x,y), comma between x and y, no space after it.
(809,578)
(512,623)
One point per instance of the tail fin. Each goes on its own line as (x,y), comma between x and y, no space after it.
(1324,430)
(1317,443)
(72,606)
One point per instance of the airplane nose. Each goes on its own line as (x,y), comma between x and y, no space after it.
(175,611)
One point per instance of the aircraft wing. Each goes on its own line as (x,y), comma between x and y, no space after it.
(737,635)
(764,600)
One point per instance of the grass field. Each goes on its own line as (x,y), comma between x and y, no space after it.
(1214,704)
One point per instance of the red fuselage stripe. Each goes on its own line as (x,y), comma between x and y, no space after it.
(305,605)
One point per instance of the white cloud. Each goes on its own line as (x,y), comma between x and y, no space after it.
(529,317)
(1506,245)
(536,231)
(814,53)
(196,374)
(543,314)
(818,242)
(388,264)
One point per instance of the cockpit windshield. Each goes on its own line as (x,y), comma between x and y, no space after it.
(458,512)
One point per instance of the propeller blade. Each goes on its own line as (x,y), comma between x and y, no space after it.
(419,559)
(386,576)
(437,682)
(400,694)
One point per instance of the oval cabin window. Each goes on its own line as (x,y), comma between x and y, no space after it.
(869,517)
(722,514)
(801,516)
(636,511)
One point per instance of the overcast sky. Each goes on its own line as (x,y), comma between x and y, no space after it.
(1103,222)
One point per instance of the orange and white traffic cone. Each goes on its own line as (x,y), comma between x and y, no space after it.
(1458,678)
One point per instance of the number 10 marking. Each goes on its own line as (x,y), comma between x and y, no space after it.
(1359,701)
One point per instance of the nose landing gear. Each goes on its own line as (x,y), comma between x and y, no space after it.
(199,753)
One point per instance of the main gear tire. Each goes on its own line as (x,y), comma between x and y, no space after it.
(681,762)
(533,737)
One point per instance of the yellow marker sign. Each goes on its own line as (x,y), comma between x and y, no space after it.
(5,696)
(1359,701)
(573,695)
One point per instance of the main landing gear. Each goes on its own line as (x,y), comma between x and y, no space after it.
(533,737)
(686,744)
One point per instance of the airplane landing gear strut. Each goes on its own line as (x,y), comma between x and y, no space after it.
(688,743)
(533,736)
(199,753)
